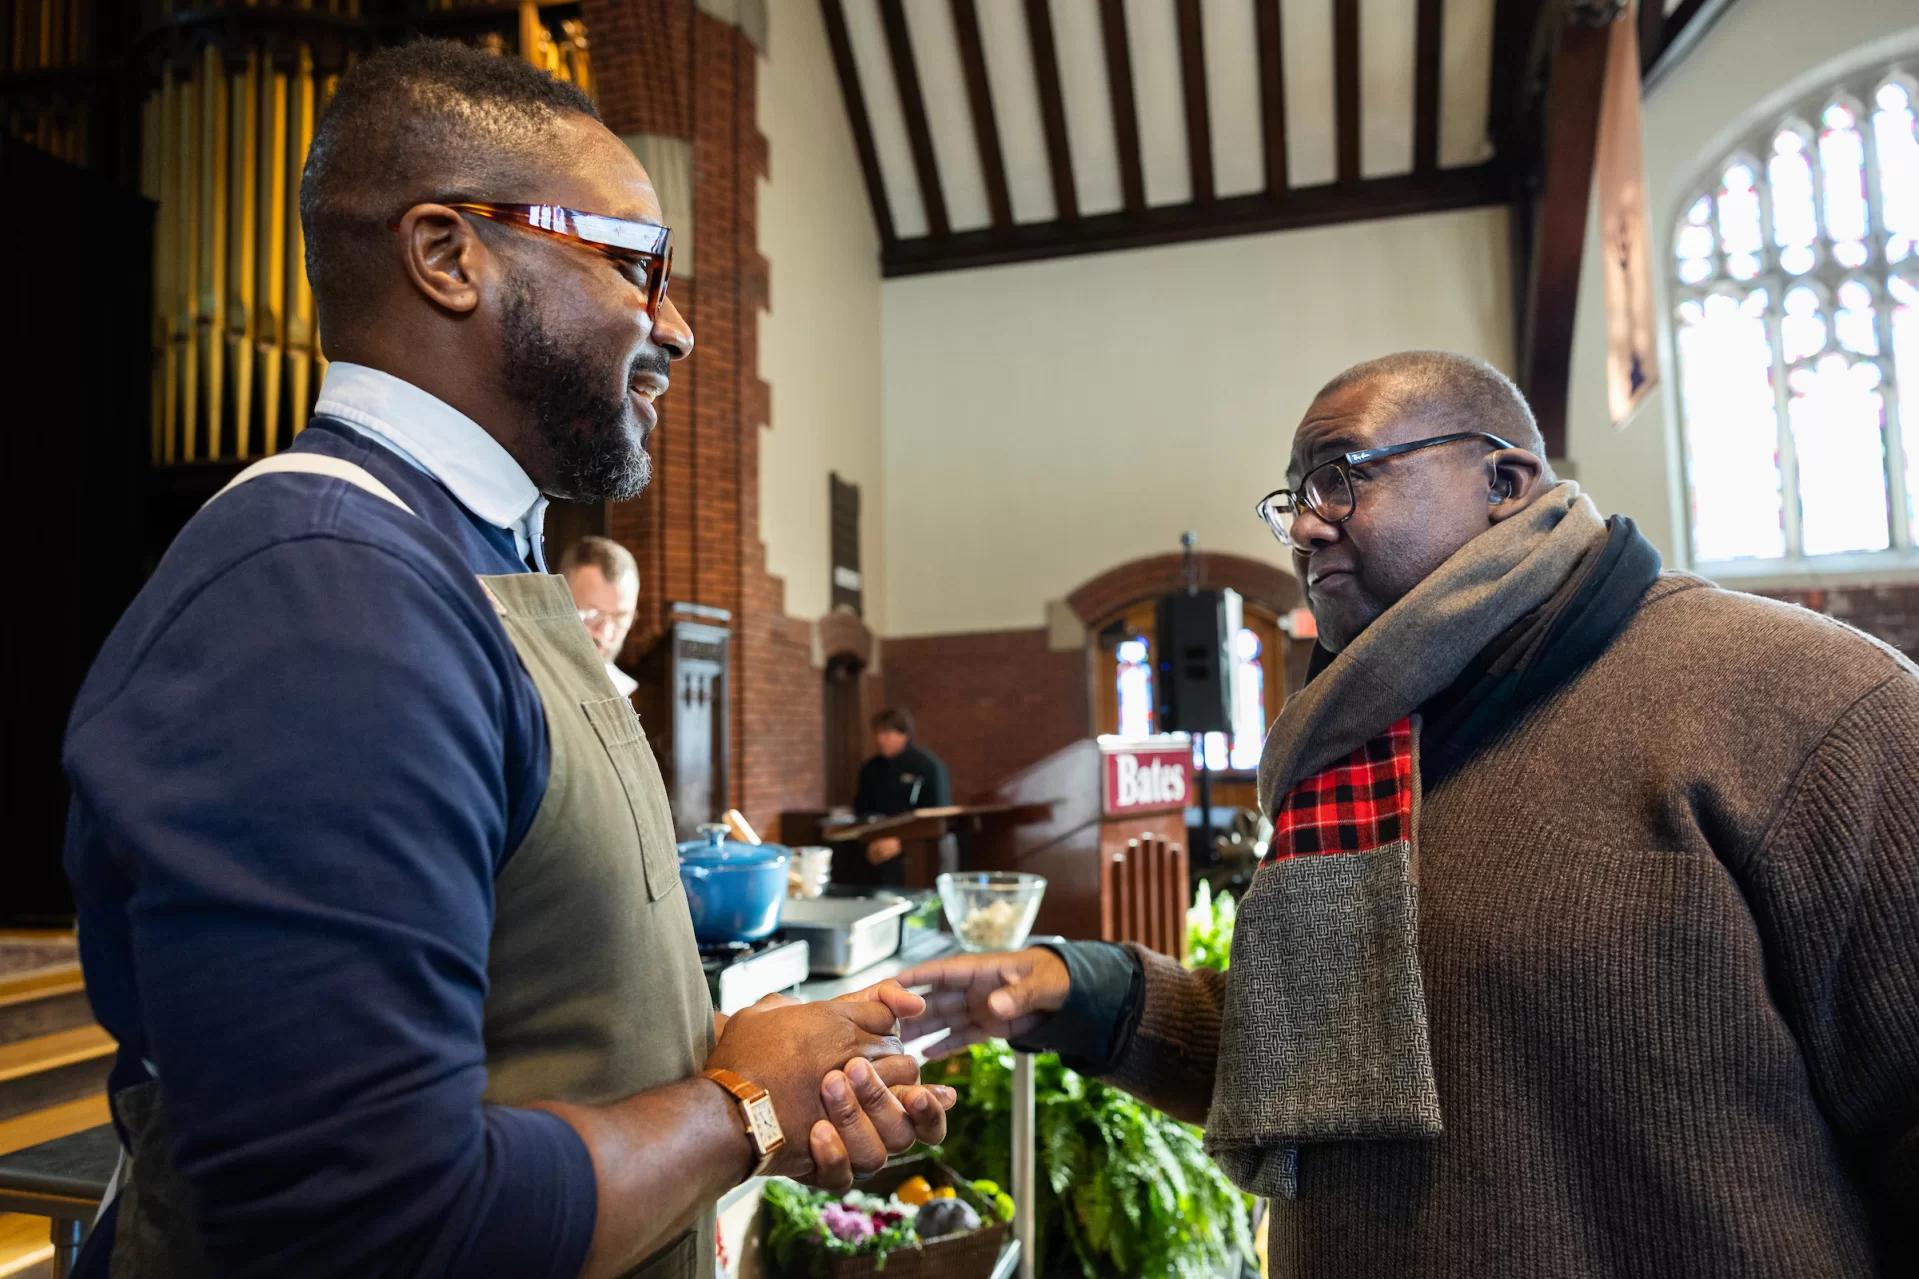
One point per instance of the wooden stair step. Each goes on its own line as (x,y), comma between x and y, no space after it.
(42,1004)
(54,1122)
(26,1247)
(48,1069)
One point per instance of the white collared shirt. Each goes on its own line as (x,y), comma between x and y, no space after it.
(443,442)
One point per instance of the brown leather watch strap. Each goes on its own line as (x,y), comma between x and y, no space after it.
(742,1089)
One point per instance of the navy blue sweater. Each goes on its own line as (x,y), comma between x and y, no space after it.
(298,764)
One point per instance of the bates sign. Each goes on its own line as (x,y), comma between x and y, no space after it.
(1146,776)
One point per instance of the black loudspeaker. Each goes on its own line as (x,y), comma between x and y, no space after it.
(1194,683)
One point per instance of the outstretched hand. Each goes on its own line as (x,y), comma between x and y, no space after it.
(981,997)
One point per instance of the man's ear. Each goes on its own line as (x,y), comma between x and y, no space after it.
(1516,479)
(443,257)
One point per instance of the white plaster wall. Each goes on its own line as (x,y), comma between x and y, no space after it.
(1050,420)
(1761,55)
(820,340)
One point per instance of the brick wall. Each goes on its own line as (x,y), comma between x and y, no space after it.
(1888,610)
(663,67)
(988,703)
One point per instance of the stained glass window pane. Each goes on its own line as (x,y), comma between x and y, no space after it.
(1739,233)
(1854,324)
(1732,427)
(1896,134)
(1905,371)
(1842,162)
(1803,327)
(1795,224)
(1249,700)
(1135,681)
(1837,417)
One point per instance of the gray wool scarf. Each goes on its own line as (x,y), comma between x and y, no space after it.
(1323,1035)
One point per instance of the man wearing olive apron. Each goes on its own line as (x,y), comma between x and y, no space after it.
(377,882)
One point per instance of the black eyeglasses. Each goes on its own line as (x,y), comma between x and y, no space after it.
(1327,489)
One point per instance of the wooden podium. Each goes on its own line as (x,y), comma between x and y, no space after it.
(1111,841)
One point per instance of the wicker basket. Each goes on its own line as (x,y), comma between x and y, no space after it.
(968,1256)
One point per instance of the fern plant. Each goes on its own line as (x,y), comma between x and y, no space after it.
(1125,1190)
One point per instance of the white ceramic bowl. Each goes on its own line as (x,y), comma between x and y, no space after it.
(991,910)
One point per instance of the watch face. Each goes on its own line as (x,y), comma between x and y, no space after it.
(764,1124)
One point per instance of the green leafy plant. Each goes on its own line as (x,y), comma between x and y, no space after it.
(1209,929)
(798,1226)
(1124,1189)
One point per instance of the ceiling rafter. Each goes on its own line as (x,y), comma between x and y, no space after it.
(862,125)
(1192,79)
(1346,88)
(1426,49)
(1272,95)
(1119,83)
(1052,107)
(979,96)
(906,77)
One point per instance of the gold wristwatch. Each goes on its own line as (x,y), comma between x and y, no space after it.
(762,1125)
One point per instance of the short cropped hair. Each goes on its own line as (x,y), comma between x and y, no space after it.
(895,719)
(615,562)
(1453,392)
(431,120)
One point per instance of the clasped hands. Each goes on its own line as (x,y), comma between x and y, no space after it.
(846,1093)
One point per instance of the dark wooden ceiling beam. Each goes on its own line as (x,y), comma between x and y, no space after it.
(1052,107)
(1426,69)
(1652,32)
(979,96)
(1550,261)
(1388,197)
(906,77)
(1272,94)
(1682,31)
(1346,88)
(1192,79)
(1119,82)
(849,77)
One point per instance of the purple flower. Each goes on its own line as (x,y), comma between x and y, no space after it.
(849,1224)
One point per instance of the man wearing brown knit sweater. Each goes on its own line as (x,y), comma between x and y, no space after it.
(1588,940)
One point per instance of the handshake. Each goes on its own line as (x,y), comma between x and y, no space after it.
(846,1094)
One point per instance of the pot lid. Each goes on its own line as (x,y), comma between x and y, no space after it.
(714,846)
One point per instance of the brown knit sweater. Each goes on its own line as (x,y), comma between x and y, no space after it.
(1669,933)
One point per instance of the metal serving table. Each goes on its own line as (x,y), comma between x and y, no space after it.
(64,1179)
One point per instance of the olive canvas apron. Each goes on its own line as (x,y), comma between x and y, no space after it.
(594,984)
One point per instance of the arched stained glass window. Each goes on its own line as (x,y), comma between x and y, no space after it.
(1796,324)
(1134,676)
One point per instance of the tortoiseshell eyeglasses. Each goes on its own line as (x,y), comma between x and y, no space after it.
(643,248)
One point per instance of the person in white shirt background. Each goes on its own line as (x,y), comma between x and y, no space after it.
(606,586)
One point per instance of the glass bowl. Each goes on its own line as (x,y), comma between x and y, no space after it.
(991,910)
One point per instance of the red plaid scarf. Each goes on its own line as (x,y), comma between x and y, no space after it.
(1362,802)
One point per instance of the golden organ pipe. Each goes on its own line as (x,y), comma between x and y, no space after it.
(150,148)
(271,328)
(213,242)
(241,207)
(169,240)
(186,329)
(299,330)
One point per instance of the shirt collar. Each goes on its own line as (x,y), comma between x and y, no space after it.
(443,442)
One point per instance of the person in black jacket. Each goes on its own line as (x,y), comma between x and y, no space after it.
(899,779)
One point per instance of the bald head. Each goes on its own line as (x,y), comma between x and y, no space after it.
(1449,392)
(428,121)
(1406,513)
